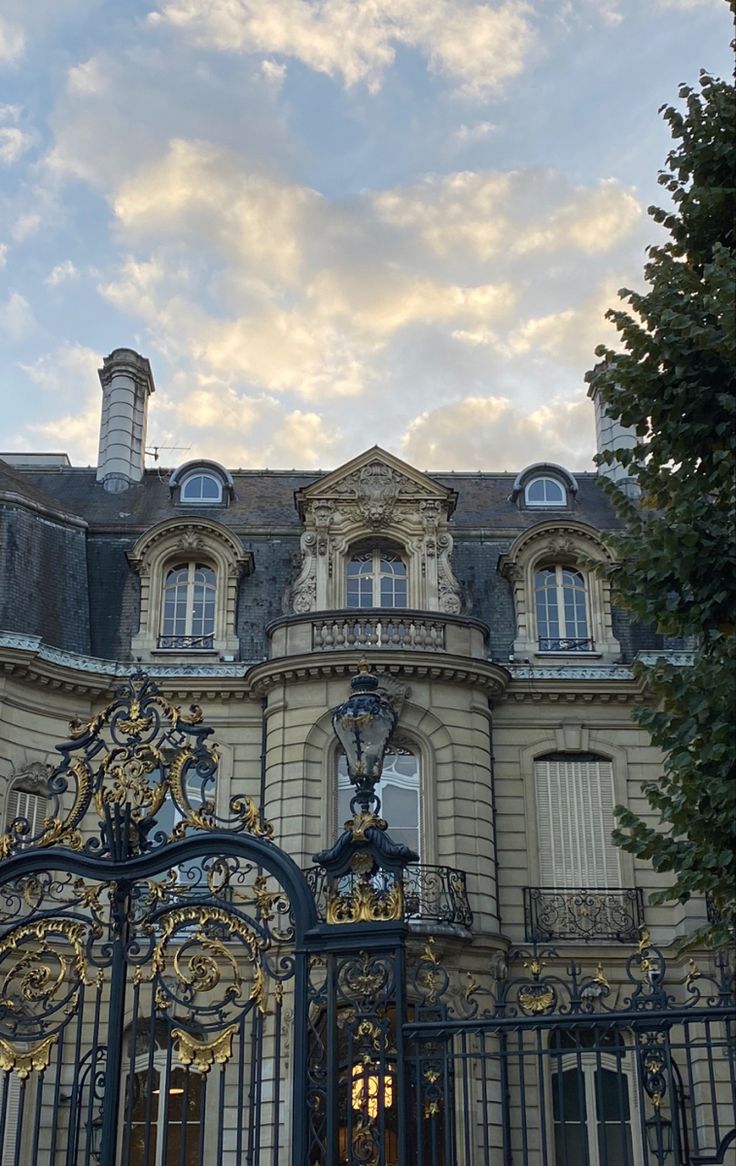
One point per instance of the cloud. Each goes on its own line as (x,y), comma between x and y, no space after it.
(61,273)
(238,428)
(13,144)
(489,432)
(25,225)
(475,46)
(69,371)
(12,42)
(3,254)
(484,214)
(469,135)
(69,375)
(16,317)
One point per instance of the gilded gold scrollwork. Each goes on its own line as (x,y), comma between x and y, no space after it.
(41,971)
(366,903)
(203,1054)
(202,971)
(24,1061)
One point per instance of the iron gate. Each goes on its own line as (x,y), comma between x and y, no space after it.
(172,993)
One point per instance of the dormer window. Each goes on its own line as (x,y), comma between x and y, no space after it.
(201,483)
(201,487)
(544,486)
(545,491)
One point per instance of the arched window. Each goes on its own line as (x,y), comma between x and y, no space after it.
(376,577)
(545,491)
(201,488)
(399,791)
(188,607)
(561,609)
(163,1103)
(593,1102)
(575,799)
(27,799)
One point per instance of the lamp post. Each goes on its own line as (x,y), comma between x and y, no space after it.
(363,724)
(659,1135)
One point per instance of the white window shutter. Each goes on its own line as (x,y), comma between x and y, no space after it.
(574,823)
(20,804)
(12,1087)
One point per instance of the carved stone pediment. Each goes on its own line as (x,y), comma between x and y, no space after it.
(375,481)
(375,499)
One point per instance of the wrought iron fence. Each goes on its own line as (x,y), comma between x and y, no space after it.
(554,913)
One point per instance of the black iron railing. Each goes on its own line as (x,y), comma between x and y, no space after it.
(552,913)
(565,644)
(432,894)
(187,643)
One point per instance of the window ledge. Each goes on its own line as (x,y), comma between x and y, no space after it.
(568,655)
(188,653)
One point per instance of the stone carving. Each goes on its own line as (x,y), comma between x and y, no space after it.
(190,540)
(377,488)
(304,590)
(32,778)
(450,600)
(324,513)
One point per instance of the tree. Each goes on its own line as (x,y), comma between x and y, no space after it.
(673,381)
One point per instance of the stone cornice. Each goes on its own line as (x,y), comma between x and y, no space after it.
(10,498)
(29,658)
(443,667)
(569,683)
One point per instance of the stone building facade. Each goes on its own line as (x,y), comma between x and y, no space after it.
(255,594)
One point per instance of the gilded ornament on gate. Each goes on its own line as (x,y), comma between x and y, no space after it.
(366,903)
(24,1061)
(536,998)
(203,1054)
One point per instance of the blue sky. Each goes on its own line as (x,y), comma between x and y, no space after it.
(330,223)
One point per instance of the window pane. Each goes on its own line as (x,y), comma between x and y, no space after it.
(546,492)
(201,488)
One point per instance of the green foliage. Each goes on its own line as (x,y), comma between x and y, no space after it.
(673,382)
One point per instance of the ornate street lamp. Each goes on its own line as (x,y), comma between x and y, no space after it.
(659,1135)
(363,724)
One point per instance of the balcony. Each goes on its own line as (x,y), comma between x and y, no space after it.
(595,913)
(365,630)
(186,643)
(432,894)
(565,644)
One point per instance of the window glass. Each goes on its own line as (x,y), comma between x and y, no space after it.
(561,610)
(545,492)
(592,1111)
(201,488)
(376,578)
(188,609)
(399,791)
(165,1117)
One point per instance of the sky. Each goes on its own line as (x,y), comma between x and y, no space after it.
(330,223)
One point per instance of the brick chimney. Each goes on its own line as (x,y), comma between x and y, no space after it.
(611,435)
(127,383)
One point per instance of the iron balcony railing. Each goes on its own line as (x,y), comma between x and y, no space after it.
(552,913)
(187,643)
(565,644)
(432,894)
